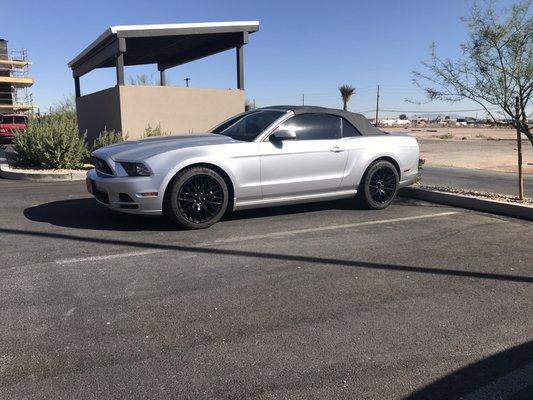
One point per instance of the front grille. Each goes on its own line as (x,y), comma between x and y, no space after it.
(129,206)
(102,166)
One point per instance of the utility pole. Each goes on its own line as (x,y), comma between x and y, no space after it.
(303,99)
(519,148)
(187,82)
(377,107)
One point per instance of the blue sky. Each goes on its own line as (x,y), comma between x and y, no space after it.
(308,47)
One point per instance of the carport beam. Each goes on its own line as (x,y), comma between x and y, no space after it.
(240,67)
(120,69)
(77,89)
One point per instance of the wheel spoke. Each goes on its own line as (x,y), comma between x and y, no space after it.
(210,209)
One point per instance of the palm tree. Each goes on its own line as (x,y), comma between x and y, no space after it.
(346,93)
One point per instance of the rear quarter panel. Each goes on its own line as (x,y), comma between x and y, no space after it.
(364,150)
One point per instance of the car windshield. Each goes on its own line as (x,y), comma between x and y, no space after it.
(247,127)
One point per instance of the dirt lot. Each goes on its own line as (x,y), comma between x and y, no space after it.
(476,147)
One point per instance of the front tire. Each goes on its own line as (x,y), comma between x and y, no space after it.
(198,198)
(379,185)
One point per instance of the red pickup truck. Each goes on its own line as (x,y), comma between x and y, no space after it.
(9,123)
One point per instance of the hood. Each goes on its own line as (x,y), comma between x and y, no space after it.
(142,149)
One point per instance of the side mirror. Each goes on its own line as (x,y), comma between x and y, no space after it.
(282,134)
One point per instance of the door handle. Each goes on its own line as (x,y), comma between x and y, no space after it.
(337,149)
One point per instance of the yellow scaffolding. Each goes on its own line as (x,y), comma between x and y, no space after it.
(14,95)
(17,81)
(15,107)
(15,63)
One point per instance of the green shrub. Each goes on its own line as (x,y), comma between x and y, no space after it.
(51,141)
(157,131)
(446,136)
(107,138)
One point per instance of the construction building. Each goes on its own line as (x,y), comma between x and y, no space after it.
(15,82)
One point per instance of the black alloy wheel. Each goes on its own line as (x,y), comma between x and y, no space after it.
(197,199)
(379,185)
(200,198)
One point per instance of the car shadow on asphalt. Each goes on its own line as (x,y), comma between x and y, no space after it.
(88,214)
(498,376)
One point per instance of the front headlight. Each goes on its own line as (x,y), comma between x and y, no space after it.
(135,169)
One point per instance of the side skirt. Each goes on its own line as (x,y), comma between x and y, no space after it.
(286,200)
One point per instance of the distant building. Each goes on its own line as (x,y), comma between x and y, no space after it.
(416,119)
(395,122)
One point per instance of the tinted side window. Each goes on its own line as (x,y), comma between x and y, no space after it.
(248,126)
(348,130)
(314,126)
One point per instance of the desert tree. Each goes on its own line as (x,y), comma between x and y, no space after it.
(495,68)
(347,92)
(65,105)
(144,80)
(249,105)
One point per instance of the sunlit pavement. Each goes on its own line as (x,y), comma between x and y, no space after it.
(319,301)
(478,180)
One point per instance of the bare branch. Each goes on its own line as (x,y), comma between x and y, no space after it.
(496,65)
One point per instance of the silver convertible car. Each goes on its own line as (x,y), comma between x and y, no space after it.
(267,157)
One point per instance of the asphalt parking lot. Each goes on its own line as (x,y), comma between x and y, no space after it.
(319,301)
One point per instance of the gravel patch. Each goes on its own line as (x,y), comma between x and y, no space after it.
(483,195)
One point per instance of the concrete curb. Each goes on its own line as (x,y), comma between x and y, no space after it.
(43,177)
(7,172)
(471,203)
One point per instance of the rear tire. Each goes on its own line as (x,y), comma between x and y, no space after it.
(379,185)
(197,198)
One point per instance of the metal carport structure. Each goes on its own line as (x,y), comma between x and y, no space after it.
(166,45)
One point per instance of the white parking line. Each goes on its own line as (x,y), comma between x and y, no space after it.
(329,228)
(505,386)
(108,257)
(236,239)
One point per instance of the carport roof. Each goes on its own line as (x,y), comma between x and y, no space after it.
(167,45)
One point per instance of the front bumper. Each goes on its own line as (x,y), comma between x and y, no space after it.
(124,193)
